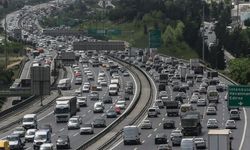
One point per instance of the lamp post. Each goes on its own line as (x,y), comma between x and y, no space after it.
(203,29)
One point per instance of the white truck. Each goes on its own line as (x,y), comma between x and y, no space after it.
(131,135)
(113,89)
(219,139)
(194,63)
(64,84)
(65,108)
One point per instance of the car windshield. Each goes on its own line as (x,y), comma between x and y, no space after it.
(73,120)
(31,133)
(61,110)
(87,125)
(12,138)
(28,119)
(40,137)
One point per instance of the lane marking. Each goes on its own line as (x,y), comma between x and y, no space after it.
(45,116)
(61,129)
(155,129)
(244,131)
(76,134)
(89,111)
(149,135)
(160,124)
(163,119)
(143,141)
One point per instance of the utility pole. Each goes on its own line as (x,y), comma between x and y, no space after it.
(5,41)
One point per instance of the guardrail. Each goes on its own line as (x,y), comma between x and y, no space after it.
(135,119)
(118,120)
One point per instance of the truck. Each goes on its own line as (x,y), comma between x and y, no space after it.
(219,139)
(172,108)
(191,123)
(212,95)
(196,66)
(64,84)
(131,135)
(212,74)
(184,71)
(65,108)
(163,78)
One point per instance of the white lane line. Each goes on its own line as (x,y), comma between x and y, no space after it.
(61,129)
(89,111)
(149,135)
(45,116)
(166,114)
(143,141)
(83,115)
(163,119)
(136,148)
(102,115)
(159,124)
(155,129)
(244,131)
(76,134)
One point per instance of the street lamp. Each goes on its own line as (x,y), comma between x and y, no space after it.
(203,29)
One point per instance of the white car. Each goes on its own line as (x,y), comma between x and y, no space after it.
(85,88)
(73,123)
(82,101)
(176,132)
(146,124)
(87,128)
(212,123)
(211,111)
(194,99)
(104,83)
(230,124)
(101,74)
(78,92)
(30,134)
(201,102)
(121,104)
(100,79)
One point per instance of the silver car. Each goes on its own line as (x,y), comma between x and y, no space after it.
(211,111)
(20,131)
(200,143)
(30,134)
(87,128)
(230,124)
(73,123)
(201,102)
(146,124)
(212,123)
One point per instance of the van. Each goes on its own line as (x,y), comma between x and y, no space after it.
(234,114)
(188,144)
(98,107)
(4,145)
(131,135)
(29,121)
(113,89)
(41,136)
(64,84)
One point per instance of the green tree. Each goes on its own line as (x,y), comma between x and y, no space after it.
(168,36)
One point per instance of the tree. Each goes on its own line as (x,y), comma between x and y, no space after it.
(168,36)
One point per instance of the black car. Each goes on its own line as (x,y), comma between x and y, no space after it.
(178,98)
(169,124)
(46,127)
(107,100)
(161,138)
(111,113)
(99,123)
(129,90)
(63,142)
(126,97)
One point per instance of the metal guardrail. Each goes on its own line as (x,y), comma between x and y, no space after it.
(114,123)
(21,92)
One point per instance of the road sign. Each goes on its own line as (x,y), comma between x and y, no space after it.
(155,38)
(238,95)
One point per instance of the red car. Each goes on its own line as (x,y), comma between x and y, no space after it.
(118,110)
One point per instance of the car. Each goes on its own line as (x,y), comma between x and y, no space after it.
(176,132)
(230,124)
(90,77)
(121,104)
(111,113)
(157,109)
(46,127)
(164,147)
(104,83)
(98,107)
(87,128)
(161,138)
(212,123)
(125,74)
(46,146)
(201,102)
(152,112)
(94,96)
(118,110)
(146,124)
(78,117)
(212,105)
(29,135)
(159,103)
(20,131)
(99,88)
(194,99)
(126,96)
(85,88)
(169,124)
(78,81)
(107,100)
(202,90)
(99,123)
(176,139)
(78,92)
(211,111)
(63,142)
(73,123)
(15,141)
(200,143)
(82,101)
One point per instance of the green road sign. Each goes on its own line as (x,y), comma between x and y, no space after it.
(238,95)
(155,38)
(113,32)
